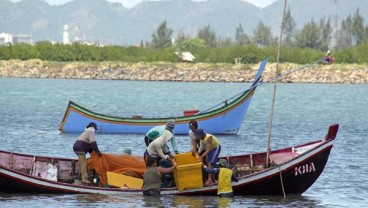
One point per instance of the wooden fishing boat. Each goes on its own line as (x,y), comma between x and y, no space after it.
(292,171)
(224,118)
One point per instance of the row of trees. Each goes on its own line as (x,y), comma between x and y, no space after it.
(304,46)
(319,35)
(249,54)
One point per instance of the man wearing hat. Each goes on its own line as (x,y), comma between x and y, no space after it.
(193,126)
(225,175)
(157,131)
(213,149)
(158,149)
(86,142)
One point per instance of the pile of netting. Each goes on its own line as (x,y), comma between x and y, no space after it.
(124,164)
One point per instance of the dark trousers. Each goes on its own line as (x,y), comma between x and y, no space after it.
(151,193)
(147,141)
(226,194)
(146,155)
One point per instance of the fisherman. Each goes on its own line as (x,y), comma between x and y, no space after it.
(153,176)
(225,175)
(213,149)
(196,146)
(159,150)
(157,131)
(86,142)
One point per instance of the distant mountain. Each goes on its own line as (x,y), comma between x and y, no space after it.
(112,23)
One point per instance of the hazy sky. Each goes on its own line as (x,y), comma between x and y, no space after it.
(131,3)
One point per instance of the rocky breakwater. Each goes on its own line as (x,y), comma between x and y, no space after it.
(187,72)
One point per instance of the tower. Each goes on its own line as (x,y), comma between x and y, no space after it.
(65,35)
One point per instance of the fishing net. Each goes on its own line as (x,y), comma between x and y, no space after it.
(124,164)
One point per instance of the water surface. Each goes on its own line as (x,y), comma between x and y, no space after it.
(32,109)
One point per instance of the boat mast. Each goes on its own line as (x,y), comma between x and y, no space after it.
(274,86)
(335,26)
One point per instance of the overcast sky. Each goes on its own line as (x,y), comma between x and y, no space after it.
(131,3)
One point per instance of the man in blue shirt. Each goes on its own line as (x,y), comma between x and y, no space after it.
(224,175)
(157,131)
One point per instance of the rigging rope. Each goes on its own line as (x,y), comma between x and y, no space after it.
(282,183)
(306,66)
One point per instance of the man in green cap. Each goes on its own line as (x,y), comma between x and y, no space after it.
(157,131)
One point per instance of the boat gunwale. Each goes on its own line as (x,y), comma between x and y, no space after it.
(72,106)
(323,145)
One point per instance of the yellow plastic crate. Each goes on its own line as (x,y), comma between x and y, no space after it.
(120,180)
(188,176)
(188,172)
(185,158)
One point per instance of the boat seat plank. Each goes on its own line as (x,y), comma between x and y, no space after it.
(282,157)
(4,159)
(67,170)
(21,163)
(45,170)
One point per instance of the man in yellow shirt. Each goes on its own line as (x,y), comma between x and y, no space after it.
(225,176)
(213,149)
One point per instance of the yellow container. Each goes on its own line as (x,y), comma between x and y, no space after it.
(120,180)
(186,159)
(188,172)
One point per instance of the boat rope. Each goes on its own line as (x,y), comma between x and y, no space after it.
(280,76)
(282,183)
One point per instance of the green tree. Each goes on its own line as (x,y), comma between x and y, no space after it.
(45,49)
(208,35)
(141,44)
(326,33)
(181,37)
(289,28)
(358,28)
(365,38)
(241,37)
(225,43)
(344,36)
(162,37)
(63,53)
(309,36)
(25,51)
(192,45)
(352,31)
(262,35)
(6,51)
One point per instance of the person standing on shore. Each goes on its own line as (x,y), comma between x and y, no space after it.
(328,57)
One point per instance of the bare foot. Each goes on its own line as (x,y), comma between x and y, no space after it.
(208,183)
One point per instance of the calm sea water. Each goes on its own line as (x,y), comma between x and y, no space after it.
(31,111)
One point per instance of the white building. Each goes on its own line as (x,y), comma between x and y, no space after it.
(66,35)
(22,38)
(6,38)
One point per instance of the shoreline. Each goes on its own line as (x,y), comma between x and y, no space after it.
(184,72)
